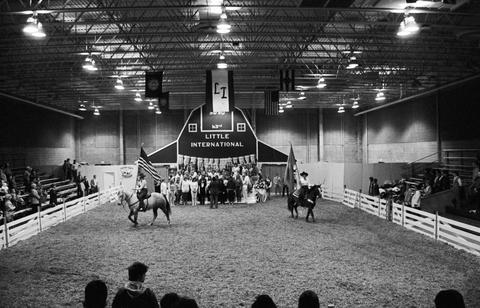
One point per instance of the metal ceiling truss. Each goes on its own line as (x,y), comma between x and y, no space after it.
(129,37)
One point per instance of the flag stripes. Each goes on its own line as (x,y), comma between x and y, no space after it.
(148,166)
(271,102)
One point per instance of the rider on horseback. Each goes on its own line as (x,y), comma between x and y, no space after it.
(141,191)
(304,184)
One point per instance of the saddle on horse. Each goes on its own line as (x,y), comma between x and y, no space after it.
(142,206)
(299,195)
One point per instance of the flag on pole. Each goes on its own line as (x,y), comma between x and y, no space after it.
(289,176)
(147,165)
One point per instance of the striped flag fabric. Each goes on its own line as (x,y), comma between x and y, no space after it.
(271,102)
(289,176)
(148,166)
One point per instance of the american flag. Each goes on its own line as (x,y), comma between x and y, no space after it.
(271,102)
(147,165)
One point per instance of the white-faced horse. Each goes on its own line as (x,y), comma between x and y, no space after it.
(154,202)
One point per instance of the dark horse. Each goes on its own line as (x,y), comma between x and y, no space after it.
(154,202)
(309,201)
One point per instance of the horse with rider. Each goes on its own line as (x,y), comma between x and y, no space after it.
(143,201)
(305,196)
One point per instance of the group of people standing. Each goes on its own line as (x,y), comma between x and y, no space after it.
(238,185)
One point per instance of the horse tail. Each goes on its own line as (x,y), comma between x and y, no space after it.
(290,202)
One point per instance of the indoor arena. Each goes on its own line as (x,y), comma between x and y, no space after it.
(223,153)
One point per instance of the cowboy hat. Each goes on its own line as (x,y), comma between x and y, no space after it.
(304,173)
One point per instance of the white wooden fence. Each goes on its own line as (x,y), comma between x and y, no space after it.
(457,234)
(28,226)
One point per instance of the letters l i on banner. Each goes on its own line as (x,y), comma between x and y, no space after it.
(219,91)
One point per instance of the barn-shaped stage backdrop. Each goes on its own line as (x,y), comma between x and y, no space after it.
(215,139)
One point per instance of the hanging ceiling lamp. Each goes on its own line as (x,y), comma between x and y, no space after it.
(138,97)
(355,104)
(151,106)
(96,112)
(34,27)
(408,26)
(302,96)
(341,109)
(119,84)
(223,27)
(380,96)
(82,107)
(89,64)
(222,65)
(157,111)
(321,83)
(352,63)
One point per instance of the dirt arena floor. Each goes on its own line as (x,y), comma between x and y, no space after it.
(225,257)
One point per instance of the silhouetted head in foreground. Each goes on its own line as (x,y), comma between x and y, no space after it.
(95,294)
(308,299)
(185,302)
(263,301)
(449,299)
(169,300)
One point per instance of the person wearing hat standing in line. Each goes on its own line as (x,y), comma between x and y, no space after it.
(141,191)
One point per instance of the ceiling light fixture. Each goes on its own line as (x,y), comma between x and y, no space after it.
(321,83)
(119,84)
(302,96)
(380,96)
(151,106)
(223,27)
(34,27)
(355,104)
(157,111)
(89,64)
(82,107)
(96,112)
(408,26)
(222,65)
(341,109)
(352,63)
(138,97)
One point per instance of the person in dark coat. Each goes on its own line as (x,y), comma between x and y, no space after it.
(375,188)
(370,186)
(449,299)
(202,189)
(53,195)
(231,190)
(214,191)
(134,294)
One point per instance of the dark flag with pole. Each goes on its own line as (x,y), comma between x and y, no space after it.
(290,170)
(148,166)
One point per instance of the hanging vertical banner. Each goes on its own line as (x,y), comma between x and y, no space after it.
(219,91)
(287,80)
(153,84)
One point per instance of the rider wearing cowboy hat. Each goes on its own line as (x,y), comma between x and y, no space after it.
(304,184)
(141,191)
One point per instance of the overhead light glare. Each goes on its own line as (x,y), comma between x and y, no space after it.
(96,112)
(222,65)
(223,27)
(355,105)
(341,109)
(34,27)
(82,107)
(89,64)
(380,96)
(151,106)
(138,97)
(157,111)
(222,57)
(352,63)
(119,84)
(408,27)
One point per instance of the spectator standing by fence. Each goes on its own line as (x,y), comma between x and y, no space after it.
(26,178)
(94,184)
(457,190)
(35,199)
(53,195)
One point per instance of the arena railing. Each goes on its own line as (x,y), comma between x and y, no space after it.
(28,226)
(454,233)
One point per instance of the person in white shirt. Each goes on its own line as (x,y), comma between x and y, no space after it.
(185,187)
(304,185)
(194,190)
(164,188)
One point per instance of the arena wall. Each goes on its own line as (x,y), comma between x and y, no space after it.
(35,136)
